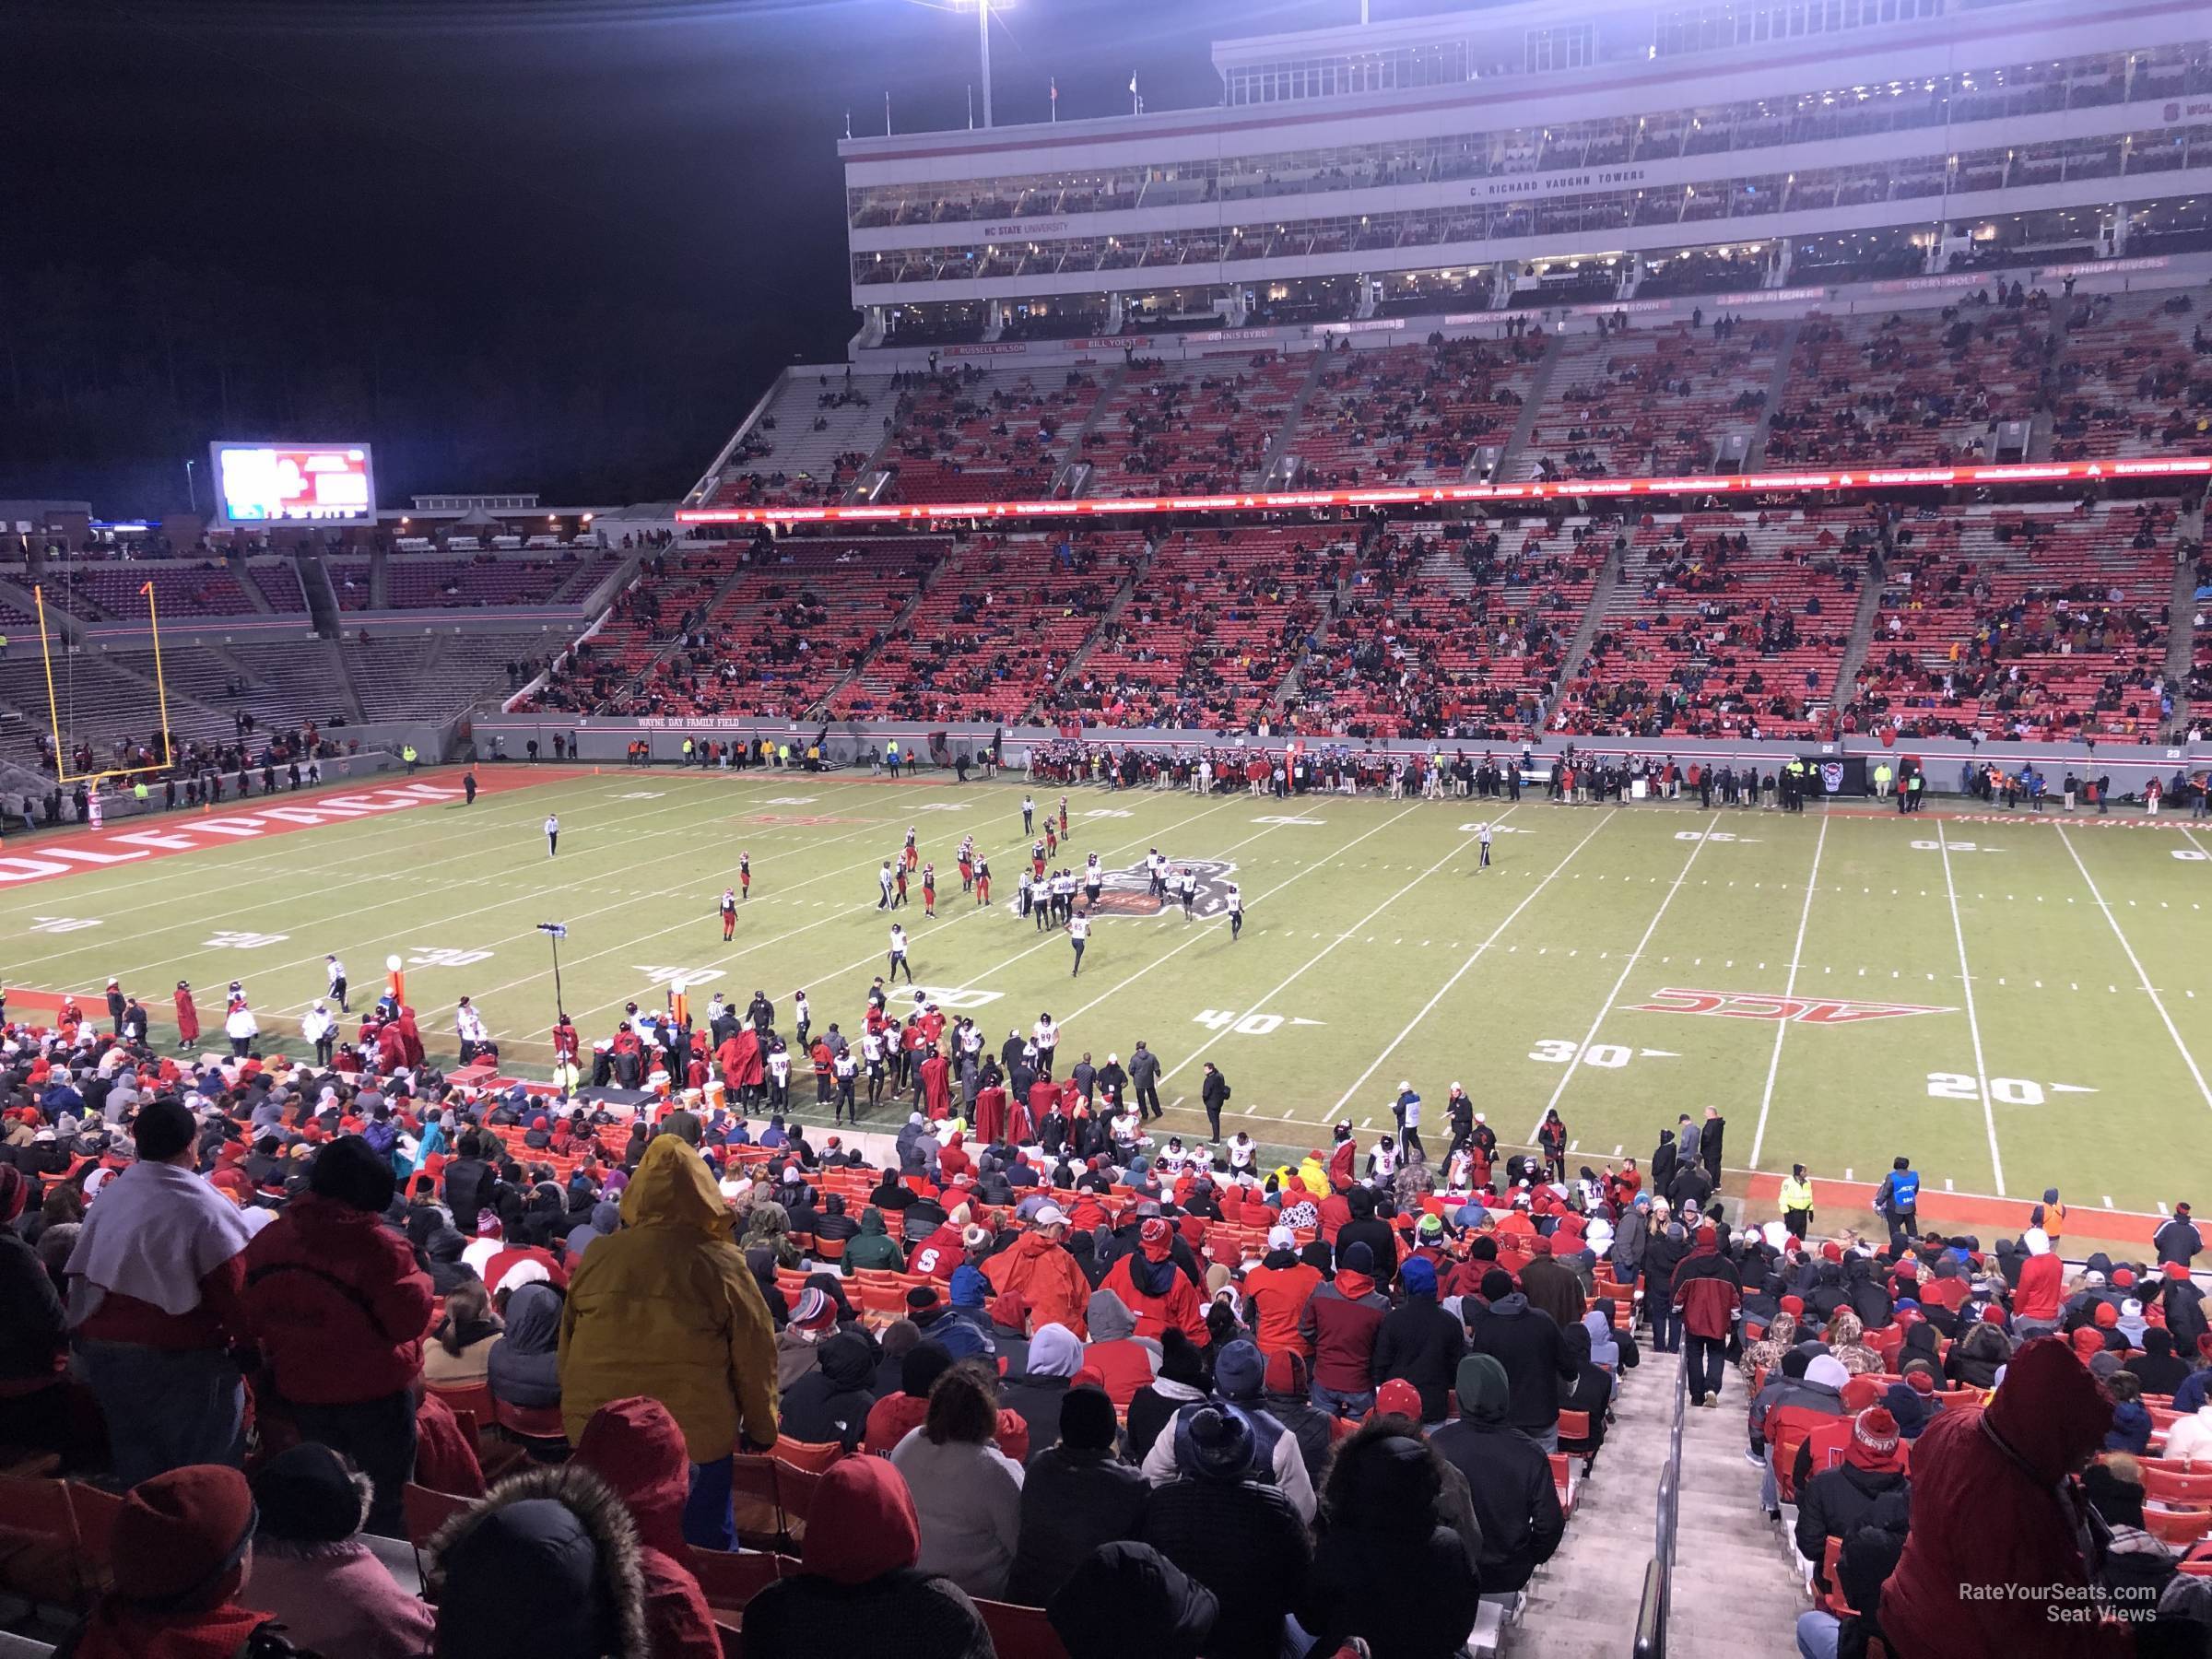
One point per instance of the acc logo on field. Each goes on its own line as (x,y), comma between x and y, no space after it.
(1805,1010)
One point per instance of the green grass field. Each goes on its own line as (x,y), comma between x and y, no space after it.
(2063,969)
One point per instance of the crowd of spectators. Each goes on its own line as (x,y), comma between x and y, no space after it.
(1036,1357)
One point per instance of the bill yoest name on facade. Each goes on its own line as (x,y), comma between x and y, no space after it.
(1549,184)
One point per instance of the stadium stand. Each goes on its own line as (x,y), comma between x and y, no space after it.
(1650,401)
(1721,625)
(1913,387)
(1437,638)
(2038,621)
(808,445)
(781,635)
(1412,413)
(1210,638)
(999,621)
(1168,428)
(2132,380)
(975,435)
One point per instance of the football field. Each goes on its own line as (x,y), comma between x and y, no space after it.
(2015,1003)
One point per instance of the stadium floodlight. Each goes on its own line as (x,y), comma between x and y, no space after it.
(983,10)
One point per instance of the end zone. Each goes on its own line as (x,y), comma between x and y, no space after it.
(184,832)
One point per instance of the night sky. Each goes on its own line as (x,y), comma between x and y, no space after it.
(539,244)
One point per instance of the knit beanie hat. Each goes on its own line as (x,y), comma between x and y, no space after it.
(350,1171)
(1418,1276)
(815,1313)
(1239,1371)
(1874,1439)
(1087,1421)
(180,1538)
(311,1495)
(1215,1442)
(1287,1372)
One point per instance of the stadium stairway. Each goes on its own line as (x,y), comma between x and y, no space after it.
(1285,436)
(1110,383)
(236,563)
(2181,616)
(1861,638)
(1114,608)
(1578,648)
(1733,1594)
(1755,458)
(897,628)
(1509,462)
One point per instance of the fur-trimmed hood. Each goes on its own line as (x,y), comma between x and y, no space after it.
(524,1547)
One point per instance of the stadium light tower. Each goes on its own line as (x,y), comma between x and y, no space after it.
(983,10)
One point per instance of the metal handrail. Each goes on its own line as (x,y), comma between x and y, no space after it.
(1655,1608)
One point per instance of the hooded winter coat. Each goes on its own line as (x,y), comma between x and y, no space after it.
(1072,1501)
(1533,1354)
(968,1500)
(1981,1350)
(1160,1293)
(523,1366)
(1509,1476)
(1995,1506)
(873,1248)
(635,1446)
(831,1402)
(1552,1287)
(861,1583)
(338,1303)
(1043,1273)
(1278,1290)
(557,1541)
(1340,1325)
(1421,1344)
(1237,1535)
(1126,1361)
(1381,1523)
(667,1307)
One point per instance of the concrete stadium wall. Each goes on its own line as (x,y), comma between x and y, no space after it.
(604,740)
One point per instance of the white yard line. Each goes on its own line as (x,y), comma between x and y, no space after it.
(630,840)
(1766,1098)
(470,832)
(1973,1023)
(1314,961)
(866,908)
(1459,973)
(1567,1076)
(371,978)
(2155,1001)
(1304,872)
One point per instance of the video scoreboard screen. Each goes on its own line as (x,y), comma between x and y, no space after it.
(293,483)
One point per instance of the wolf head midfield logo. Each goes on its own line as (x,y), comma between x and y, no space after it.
(1128,892)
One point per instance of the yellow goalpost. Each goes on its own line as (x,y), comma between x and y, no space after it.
(54,712)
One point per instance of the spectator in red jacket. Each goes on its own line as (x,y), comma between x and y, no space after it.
(2036,1300)
(635,1446)
(183,1548)
(1707,1295)
(1995,1564)
(1339,1325)
(1125,1362)
(1276,1292)
(1040,1270)
(340,1307)
(1160,1293)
